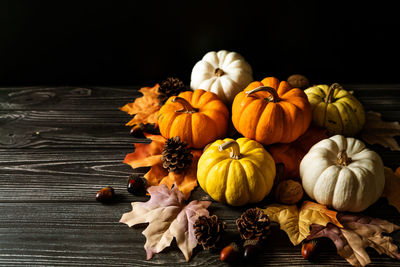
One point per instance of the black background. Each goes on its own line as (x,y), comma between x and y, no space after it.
(135,42)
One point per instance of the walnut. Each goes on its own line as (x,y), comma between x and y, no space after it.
(298,81)
(289,192)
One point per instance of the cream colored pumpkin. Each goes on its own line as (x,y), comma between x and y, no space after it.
(342,173)
(223,73)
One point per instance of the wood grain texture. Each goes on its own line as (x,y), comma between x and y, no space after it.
(65,129)
(66,98)
(59,145)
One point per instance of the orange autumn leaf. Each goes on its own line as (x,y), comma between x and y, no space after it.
(146,155)
(149,155)
(144,108)
(185,181)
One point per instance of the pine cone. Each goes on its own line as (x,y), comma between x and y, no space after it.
(176,156)
(208,231)
(170,87)
(253,224)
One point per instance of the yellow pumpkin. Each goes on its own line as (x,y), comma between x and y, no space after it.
(236,172)
(336,109)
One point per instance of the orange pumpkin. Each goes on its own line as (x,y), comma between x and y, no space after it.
(292,154)
(197,117)
(271,112)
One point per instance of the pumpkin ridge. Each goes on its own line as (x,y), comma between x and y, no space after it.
(265,124)
(210,183)
(253,197)
(347,111)
(169,117)
(238,183)
(340,116)
(375,181)
(319,183)
(252,123)
(292,114)
(341,177)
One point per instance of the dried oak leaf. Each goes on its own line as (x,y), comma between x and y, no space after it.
(296,223)
(358,233)
(149,155)
(168,217)
(392,188)
(376,131)
(144,108)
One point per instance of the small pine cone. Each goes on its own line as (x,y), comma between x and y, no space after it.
(253,224)
(208,231)
(168,88)
(176,156)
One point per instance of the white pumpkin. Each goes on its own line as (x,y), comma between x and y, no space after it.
(223,73)
(342,173)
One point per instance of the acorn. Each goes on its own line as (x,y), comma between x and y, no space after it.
(309,249)
(136,186)
(250,250)
(105,195)
(229,253)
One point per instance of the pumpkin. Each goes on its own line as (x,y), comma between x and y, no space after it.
(271,112)
(336,109)
(291,154)
(342,173)
(223,73)
(236,172)
(197,117)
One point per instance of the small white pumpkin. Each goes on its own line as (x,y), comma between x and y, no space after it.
(223,73)
(342,173)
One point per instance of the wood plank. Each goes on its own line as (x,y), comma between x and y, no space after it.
(89,234)
(66,98)
(54,175)
(65,129)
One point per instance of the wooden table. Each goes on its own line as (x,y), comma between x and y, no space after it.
(58,146)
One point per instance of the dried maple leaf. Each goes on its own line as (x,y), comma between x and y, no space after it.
(358,233)
(392,188)
(376,131)
(296,223)
(144,108)
(149,155)
(168,217)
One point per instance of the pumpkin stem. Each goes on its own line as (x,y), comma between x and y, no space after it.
(331,92)
(218,72)
(274,95)
(235,153)
(343,159)
(187,108)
